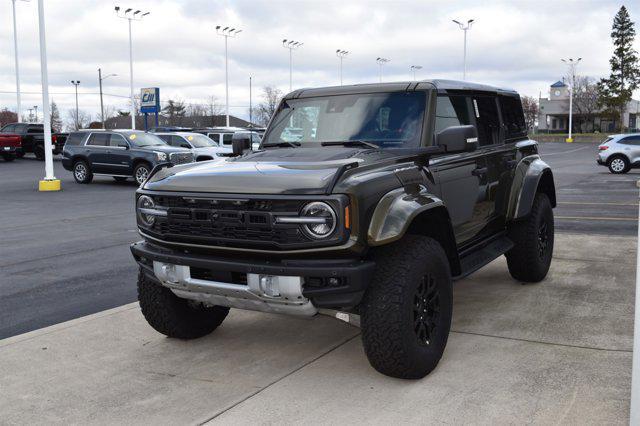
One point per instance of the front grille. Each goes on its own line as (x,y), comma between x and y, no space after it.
(181,157)
(230,222)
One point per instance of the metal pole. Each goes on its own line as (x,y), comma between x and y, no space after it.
(15,51)
(570,112)
(340,70)
(35,107)
(77,110)
(635,369)
(48,154)
(464,56)
(226,76)
(101,103)
(290,69)
(133,107)
(250,105)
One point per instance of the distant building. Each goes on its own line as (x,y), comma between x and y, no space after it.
(124,122)
(553,115)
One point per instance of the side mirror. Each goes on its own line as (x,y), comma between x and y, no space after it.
(185,145)
(458,139)
(240,143)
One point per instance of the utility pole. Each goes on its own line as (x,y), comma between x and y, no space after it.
(35,107)
(414,68)
(15,52)
(76,83)
(291,45)
(100,78)
(465,28)
(341,54)
(250,106)
(572,80)
(30,115)
(226,32)
(49,183)
(135,16)
(382,62)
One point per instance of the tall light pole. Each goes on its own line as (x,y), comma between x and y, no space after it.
(250,103)
(572,80)
(382,62)
(35,107)
(341,54)
(76,83)
(131,16)
(49,183)
(414,68)
(465,28)
(226,32)
(15,51)
(100,78)
(291,45)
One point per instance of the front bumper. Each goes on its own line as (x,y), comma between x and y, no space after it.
(8,149)
(327,283)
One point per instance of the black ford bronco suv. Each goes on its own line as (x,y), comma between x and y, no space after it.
(389,194)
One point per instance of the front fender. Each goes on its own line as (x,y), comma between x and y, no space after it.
(395,212)
(527,178)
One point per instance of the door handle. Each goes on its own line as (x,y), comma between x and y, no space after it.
(480,171)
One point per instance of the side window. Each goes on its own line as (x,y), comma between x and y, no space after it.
(451,111)
(166,138)
(487,120)
(227,138)
(9,128)
(214,137)
(117,141)
(20,128)
(630,140)
(513,117)
(98,139)
(179,142)
(75,138)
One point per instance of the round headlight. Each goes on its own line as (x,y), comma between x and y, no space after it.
(322,220)
(145,202)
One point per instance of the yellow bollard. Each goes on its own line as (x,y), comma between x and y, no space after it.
(49,185)
(569,140)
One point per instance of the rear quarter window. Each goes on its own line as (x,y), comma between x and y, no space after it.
(513,117)
(75,138)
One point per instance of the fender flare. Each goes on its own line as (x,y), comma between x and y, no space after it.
(528,176)
(395,212)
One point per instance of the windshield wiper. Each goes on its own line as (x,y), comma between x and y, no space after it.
(282,144)
(350,143)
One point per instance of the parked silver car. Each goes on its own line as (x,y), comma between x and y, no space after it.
(203,148)
(620,153)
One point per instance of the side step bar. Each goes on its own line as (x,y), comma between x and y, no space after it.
(476,259)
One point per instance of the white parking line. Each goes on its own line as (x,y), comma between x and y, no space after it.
(566,152)
(597,218)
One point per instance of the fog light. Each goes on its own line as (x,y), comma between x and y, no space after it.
(334,282)
(269,285)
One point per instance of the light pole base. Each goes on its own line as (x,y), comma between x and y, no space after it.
(569,140)
(49,185)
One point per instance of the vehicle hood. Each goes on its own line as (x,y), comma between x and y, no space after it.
(273,171)
(212,150)
(163,148)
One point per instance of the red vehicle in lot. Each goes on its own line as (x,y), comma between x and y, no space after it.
(32,139)
(9,145)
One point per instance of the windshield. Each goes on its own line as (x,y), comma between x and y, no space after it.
(388,120)
(144,139)
(200,141)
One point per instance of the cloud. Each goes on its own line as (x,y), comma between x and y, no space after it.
(513,44)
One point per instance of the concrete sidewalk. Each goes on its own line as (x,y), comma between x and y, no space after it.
(555,352)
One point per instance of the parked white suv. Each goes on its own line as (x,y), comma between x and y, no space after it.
(620,153)
(203,148)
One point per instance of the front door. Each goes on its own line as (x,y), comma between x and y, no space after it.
(118,159)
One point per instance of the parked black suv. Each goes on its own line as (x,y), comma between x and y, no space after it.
(392,192)
(118,153)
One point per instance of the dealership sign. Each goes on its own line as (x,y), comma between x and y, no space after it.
(150,100)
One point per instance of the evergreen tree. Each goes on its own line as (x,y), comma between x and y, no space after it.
(173,110)
(615,92)
(56,121)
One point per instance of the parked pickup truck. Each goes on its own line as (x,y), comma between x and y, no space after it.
(32,139)
(9,145)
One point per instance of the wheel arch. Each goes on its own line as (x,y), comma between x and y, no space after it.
(137,161)
(532,176)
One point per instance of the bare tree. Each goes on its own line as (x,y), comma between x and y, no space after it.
(271,98)
(530,109)
(7,117)
(586,102)
(83,119)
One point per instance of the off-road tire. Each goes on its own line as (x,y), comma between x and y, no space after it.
(530,258)
(38,151)
(618,164)
(388,318)
(87,177)
(175,317)
(9,157)
(119,178)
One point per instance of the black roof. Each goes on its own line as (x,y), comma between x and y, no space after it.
(440,85)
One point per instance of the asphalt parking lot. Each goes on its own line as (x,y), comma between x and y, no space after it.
(65,255)
(555,352)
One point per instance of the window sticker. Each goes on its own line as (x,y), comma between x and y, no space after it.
(190,138)
(132,137)
(475,107)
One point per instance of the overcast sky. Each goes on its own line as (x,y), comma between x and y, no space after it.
(514,44)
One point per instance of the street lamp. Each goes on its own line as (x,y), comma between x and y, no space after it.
(76,83)
(15,51)
(291,45)
(227,32)
(572,80)
(100,78)
(381,62)
(35,107)
(465,28)
(341,54)
(414,68)
(131,16)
